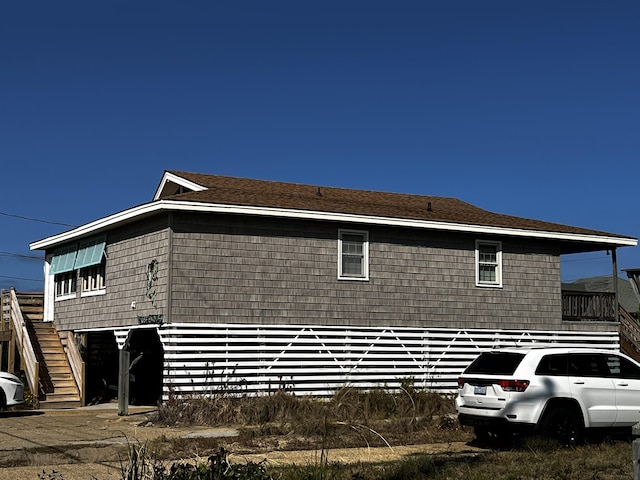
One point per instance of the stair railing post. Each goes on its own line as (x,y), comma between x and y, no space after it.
(82,384)
(36,382)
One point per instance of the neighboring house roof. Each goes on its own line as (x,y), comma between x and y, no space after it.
(628,298)
(200,192)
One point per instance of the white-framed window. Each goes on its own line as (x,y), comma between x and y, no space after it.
(353,255)
(93,279)
(488,263)
(65,285)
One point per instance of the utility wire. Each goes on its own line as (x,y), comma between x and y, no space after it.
(586,259)
(36,220)
(19,278)
(18,255)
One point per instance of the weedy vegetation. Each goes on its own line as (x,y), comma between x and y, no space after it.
(352,418)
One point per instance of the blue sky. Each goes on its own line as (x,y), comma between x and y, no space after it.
(522,108)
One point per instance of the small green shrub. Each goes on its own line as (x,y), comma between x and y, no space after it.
(218,468)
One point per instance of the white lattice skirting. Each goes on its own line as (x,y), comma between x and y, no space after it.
(258,359)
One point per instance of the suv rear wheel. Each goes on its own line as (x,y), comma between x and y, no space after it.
(564,425)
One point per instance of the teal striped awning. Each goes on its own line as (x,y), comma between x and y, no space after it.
(72,257)
(64,259)
(90,252)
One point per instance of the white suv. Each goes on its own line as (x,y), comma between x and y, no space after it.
(556,392)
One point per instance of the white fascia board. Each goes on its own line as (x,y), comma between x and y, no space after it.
(98,225)
(171,205)
(173,178)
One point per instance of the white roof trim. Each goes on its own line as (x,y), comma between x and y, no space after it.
(173,178)
(172,205)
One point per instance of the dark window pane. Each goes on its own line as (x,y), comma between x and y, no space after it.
(499,363)
(552,365)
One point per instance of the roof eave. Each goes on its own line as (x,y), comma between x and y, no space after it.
(175,205)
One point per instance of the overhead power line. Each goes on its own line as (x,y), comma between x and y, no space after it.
(21,255)
(36,220)
(19,278)
(584,259)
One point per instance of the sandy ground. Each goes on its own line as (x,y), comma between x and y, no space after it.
(90,443)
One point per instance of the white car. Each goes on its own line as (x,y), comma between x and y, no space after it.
(555,392)
(11,390)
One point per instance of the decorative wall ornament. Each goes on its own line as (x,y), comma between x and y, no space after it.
(152,278)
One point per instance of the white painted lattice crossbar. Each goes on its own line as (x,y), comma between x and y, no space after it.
(259,359)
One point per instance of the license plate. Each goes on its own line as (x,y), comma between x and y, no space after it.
(480,390)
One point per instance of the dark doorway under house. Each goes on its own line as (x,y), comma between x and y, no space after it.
(145,367)
(101,359)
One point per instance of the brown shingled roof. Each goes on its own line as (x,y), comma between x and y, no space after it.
(270,194)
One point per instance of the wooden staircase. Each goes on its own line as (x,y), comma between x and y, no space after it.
(57,386)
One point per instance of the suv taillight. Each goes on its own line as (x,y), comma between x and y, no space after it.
(460,382)
(513,385)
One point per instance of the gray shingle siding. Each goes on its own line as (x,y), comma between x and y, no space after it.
(129,250)
(276,272)
(232,269)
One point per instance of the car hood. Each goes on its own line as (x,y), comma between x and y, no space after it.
(9,376)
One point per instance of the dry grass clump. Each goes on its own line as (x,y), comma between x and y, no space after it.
(602,461)
(350,417)
(221,409)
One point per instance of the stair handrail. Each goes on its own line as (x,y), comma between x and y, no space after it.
(23,340)
(630,328)
(77,364)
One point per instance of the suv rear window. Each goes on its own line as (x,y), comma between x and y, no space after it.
(498,363)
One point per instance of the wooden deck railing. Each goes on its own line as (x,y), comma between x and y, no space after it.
(77,364)
(23,341)
(589,306)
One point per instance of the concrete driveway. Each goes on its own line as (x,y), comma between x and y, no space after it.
(77,443)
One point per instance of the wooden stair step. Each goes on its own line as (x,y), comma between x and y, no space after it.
(65,390)
(57,397)
(52,347)
(45,331)
(61,376)
(63,380)
(54,401)
(59,370)
(50,352)
(56,360)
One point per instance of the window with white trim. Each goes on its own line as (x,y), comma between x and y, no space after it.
(488,263)
(93,279)
(65,284)
(353,255)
